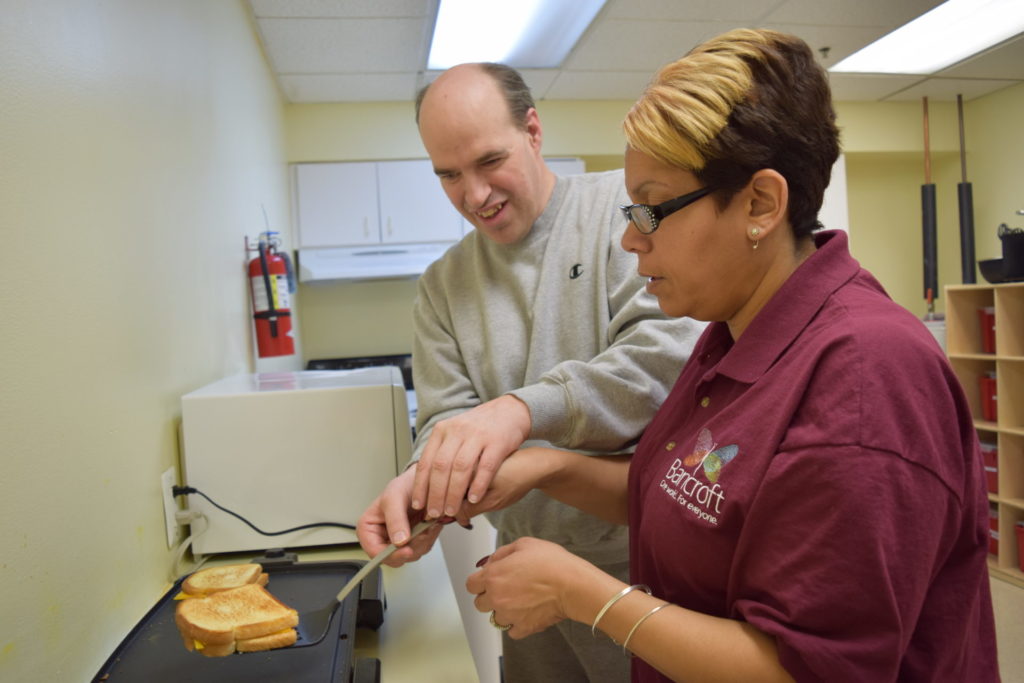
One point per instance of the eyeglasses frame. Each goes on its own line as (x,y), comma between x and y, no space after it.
(662,211)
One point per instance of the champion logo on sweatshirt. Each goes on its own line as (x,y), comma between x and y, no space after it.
(576,271)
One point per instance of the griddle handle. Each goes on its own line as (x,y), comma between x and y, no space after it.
(372,603)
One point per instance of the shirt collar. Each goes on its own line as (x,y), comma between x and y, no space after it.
(790,310)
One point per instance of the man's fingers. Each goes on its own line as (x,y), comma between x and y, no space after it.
(440,472)
(489,463)
(422,471)
(462,472)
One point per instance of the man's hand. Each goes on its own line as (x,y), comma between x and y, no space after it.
(464,452)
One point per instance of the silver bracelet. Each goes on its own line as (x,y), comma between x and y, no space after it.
(616,598)
(637,625)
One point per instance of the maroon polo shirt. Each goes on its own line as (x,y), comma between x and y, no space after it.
(821,479)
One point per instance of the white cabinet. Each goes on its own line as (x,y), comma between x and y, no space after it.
(565,165)
(413,205)
(336,204)
(364,203)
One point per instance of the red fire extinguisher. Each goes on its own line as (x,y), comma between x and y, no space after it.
(271,281)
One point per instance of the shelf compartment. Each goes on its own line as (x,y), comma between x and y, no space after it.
(963,329)
(1009,548)
(1010,390)
(969,370)
(1009,305)
(1011,468)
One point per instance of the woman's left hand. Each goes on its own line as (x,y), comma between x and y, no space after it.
(523,583)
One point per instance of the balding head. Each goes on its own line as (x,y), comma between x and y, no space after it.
(459,79)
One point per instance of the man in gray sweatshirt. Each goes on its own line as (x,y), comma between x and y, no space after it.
(535,328)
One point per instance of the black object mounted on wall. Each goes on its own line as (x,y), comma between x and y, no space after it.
(965,198)
(928,230)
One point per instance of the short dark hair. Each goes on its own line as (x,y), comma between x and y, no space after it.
(517,94)
(744,101)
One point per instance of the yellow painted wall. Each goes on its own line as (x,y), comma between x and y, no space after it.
(884,147)
(995,165)
(139,140)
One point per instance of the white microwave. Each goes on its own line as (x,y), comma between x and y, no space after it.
(287,449)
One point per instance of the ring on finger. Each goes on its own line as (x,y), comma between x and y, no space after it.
(500,627)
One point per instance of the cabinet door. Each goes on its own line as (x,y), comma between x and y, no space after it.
(336,204)
(565,165)
(413,206)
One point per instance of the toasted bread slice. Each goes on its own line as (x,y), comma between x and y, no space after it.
(222,622)
(273,641)
(215,579)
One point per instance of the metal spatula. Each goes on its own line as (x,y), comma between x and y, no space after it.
(314,624)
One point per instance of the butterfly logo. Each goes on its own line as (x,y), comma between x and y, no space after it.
(713,459)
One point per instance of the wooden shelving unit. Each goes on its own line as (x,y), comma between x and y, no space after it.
(971,362)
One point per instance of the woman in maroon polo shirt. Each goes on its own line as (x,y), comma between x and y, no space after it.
(809,502)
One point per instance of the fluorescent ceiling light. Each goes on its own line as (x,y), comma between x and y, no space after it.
(950,33)
(521,33)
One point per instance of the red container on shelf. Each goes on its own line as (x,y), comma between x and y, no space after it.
(990,454)
(992,480)
(987,326)
(993,528)
(1019,526)
(989,399)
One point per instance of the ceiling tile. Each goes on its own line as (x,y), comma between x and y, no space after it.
(869,87)
(884,14)
(398,87)
(744,11)
(538,80)
(946,89)
(344,45)
(598,85)
(347,8)
(621,45)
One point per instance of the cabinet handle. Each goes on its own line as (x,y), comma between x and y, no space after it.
(366,227)
(389,226)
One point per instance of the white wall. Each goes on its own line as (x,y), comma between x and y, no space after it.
(139,140)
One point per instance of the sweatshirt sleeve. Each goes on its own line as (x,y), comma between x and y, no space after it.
(605,403)
(443,386)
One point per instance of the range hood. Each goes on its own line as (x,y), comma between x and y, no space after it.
(370,262)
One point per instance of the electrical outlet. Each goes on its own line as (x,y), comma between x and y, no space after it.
(168,480)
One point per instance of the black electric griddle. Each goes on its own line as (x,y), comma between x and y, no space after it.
(154,652)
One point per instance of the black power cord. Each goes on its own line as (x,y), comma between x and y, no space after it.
(186,490)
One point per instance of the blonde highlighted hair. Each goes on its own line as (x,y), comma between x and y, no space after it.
(746,100)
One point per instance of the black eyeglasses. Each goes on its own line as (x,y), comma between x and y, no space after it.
(646,217)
